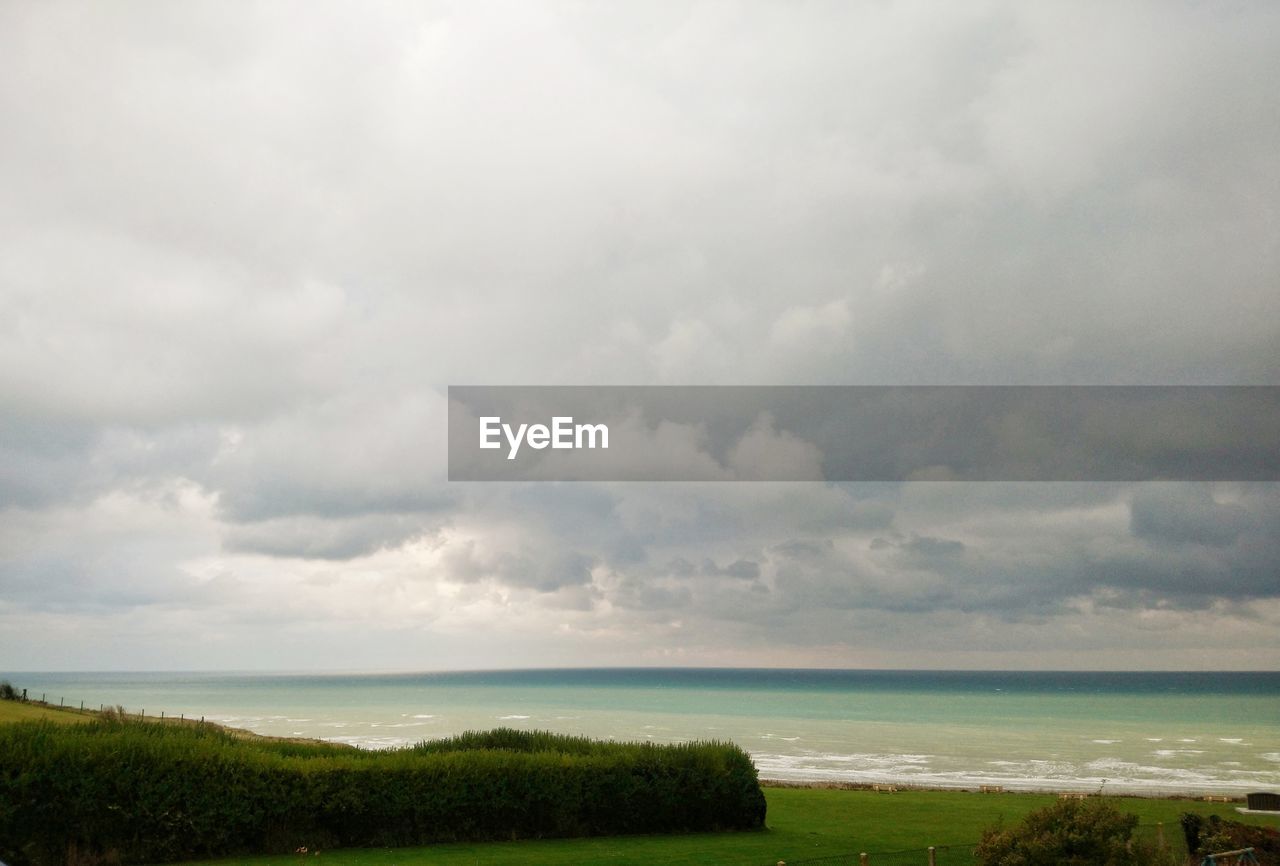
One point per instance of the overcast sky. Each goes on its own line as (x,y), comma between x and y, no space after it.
(244,248)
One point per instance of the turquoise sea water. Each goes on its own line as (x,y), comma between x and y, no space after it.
(1148,732)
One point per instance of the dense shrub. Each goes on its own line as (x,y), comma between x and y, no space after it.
(130,791)
(1071,833)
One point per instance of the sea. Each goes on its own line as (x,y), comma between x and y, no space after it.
(1161,733)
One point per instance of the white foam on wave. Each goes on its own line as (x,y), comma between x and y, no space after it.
(508,718)
(422,716)
(372,742)
(1107,742)
(1170,753)
(1114,774)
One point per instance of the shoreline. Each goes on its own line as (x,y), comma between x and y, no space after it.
(1065,787)
(993,790)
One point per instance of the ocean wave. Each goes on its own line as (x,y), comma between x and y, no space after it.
(1112,774)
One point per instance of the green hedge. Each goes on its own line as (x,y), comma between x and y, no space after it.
(115,791)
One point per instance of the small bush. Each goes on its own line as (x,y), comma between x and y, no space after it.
(1071,833)
(114,714)
(8,692)
(130,791)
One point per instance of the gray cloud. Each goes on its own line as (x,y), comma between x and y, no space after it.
(246,249)
(1187,514)
(323,538)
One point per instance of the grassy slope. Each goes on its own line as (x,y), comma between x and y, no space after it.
(13,711)
(803,823)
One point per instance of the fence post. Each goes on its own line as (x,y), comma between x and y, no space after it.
(862,858)
(933,860)
(1160,835)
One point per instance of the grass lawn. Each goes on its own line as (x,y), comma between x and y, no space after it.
(803,823)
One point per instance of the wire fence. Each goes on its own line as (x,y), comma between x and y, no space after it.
(88,709)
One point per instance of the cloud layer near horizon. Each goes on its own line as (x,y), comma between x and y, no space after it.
(246,247)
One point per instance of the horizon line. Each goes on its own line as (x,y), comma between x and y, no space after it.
(550,668)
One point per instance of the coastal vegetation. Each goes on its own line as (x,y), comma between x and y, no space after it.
(125,791)
(1072,833)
